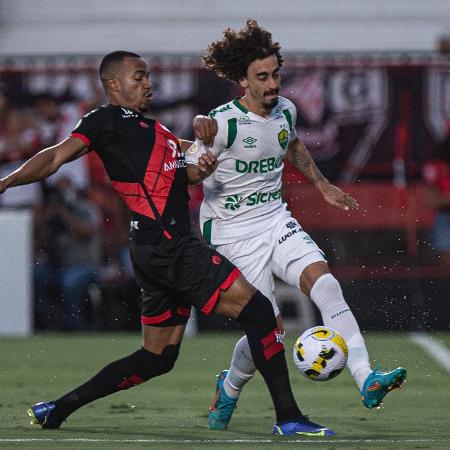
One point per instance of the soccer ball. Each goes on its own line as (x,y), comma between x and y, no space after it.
(320,353)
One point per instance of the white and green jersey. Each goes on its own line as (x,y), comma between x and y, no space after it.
(245,190)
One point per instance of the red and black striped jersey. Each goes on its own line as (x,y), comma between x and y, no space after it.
(135,149)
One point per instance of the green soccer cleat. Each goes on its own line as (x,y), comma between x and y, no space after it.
(222,407)
(379,384)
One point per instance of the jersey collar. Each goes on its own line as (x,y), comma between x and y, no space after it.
(240,106)
(123,108)
(273,114)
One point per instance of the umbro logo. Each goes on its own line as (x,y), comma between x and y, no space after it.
(249,141)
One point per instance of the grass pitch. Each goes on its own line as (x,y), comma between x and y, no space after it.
(171,411)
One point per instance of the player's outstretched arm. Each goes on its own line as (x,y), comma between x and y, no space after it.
(302,160)
(44,163)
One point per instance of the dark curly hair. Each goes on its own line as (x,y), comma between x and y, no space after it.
(230,57)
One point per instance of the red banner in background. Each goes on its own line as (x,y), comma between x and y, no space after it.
(362,117)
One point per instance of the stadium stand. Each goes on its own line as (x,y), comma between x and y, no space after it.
(356,114)
(383,210)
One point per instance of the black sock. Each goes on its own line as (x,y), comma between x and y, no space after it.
(264,338)
(122,374)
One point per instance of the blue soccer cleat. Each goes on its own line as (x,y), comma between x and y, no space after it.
(301,426)
(41,414)
(379,384)
(222,407)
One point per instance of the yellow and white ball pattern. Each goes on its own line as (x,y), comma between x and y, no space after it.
(320,353)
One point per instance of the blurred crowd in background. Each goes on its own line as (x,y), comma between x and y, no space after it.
(80,224)
(360,124)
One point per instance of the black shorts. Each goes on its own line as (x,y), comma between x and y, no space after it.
(176,274)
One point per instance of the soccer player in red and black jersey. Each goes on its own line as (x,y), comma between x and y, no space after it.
(173,268)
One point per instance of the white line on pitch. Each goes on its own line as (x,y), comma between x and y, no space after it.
(430,345)
(227,441)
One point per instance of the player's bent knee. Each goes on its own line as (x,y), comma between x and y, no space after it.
(240,289)
(258,308)
(170,355)
(327,292)
(233,300)
(153,365)
(311,275)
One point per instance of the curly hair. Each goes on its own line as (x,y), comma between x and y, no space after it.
(230,57)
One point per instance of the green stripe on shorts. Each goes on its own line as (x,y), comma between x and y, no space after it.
(207,230)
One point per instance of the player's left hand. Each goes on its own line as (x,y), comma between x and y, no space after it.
(205,128)
(337,197)
(207,164)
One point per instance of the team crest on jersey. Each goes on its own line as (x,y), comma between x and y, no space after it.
(283,137)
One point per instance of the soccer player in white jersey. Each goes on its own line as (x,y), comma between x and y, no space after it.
(243,215)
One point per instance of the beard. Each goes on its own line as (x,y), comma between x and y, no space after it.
(144,104)
(271,104)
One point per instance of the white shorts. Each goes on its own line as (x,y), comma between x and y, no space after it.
(284,250)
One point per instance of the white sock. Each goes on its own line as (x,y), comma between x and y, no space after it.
(242,369)
(327,295)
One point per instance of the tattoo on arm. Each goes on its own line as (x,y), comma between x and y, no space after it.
(305,164)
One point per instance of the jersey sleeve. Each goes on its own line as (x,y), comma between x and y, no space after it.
(290,111)
(95,128)
(197,149)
